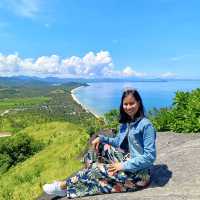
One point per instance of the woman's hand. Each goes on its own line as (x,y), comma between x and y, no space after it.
(115,167)
(95,143)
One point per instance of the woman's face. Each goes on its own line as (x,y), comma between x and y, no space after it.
(130,105)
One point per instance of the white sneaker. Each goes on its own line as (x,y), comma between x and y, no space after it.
(54,189)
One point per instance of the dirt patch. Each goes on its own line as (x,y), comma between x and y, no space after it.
(5,134)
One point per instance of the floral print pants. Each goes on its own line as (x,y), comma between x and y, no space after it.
(95,178)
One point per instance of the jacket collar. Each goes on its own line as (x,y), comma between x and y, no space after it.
(135,121)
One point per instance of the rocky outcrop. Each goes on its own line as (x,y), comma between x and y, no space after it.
(175,175)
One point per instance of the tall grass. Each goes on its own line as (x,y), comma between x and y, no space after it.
(59,159)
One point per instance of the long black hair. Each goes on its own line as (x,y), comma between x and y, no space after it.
(124,118)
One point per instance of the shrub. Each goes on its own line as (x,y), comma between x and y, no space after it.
(161,118)
(183,116)
(16,149)
(93,125)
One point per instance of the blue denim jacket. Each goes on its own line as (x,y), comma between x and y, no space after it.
(141,141)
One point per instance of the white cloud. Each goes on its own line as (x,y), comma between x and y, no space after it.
(47,64)
(115,41)
(24,8)
(91,65)
(178,58)
(71,65)
(128,71)
(9,64)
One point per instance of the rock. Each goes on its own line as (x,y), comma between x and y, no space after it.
(175,174)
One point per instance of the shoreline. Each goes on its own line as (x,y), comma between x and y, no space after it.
(81,104)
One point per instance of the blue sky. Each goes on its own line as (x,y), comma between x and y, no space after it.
(104,38)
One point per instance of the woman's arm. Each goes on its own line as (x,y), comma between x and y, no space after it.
(108,140)
(114,141)
(149,155)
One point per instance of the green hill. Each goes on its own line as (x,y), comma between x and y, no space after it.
(64,142)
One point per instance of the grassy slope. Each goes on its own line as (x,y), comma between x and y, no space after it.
(58,160)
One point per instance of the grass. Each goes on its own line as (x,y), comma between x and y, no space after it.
(58,160)
(22,102)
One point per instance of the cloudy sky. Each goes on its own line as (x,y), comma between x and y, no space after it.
(100,38)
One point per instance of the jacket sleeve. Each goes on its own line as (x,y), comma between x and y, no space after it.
(149,154)
(109,140)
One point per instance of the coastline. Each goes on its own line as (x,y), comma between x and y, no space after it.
(81,104)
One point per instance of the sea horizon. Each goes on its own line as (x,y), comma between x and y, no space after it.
(99,98)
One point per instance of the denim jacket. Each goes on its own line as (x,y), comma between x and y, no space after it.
(141,141)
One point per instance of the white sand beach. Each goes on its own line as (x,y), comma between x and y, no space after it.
(82,105)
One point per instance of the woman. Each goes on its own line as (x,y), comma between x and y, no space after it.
(118,164)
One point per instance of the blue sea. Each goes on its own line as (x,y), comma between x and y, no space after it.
(101,97)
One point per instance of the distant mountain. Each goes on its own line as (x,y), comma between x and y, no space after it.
(23,80)
(16,81)
(27,80)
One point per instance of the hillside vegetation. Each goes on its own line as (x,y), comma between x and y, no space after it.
(59,158)
(182,117)
(49,132)
(25,105)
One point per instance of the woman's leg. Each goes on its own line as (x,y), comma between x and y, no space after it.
(89,181)
(96,178)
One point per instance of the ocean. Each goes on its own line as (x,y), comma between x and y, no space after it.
(100,98)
